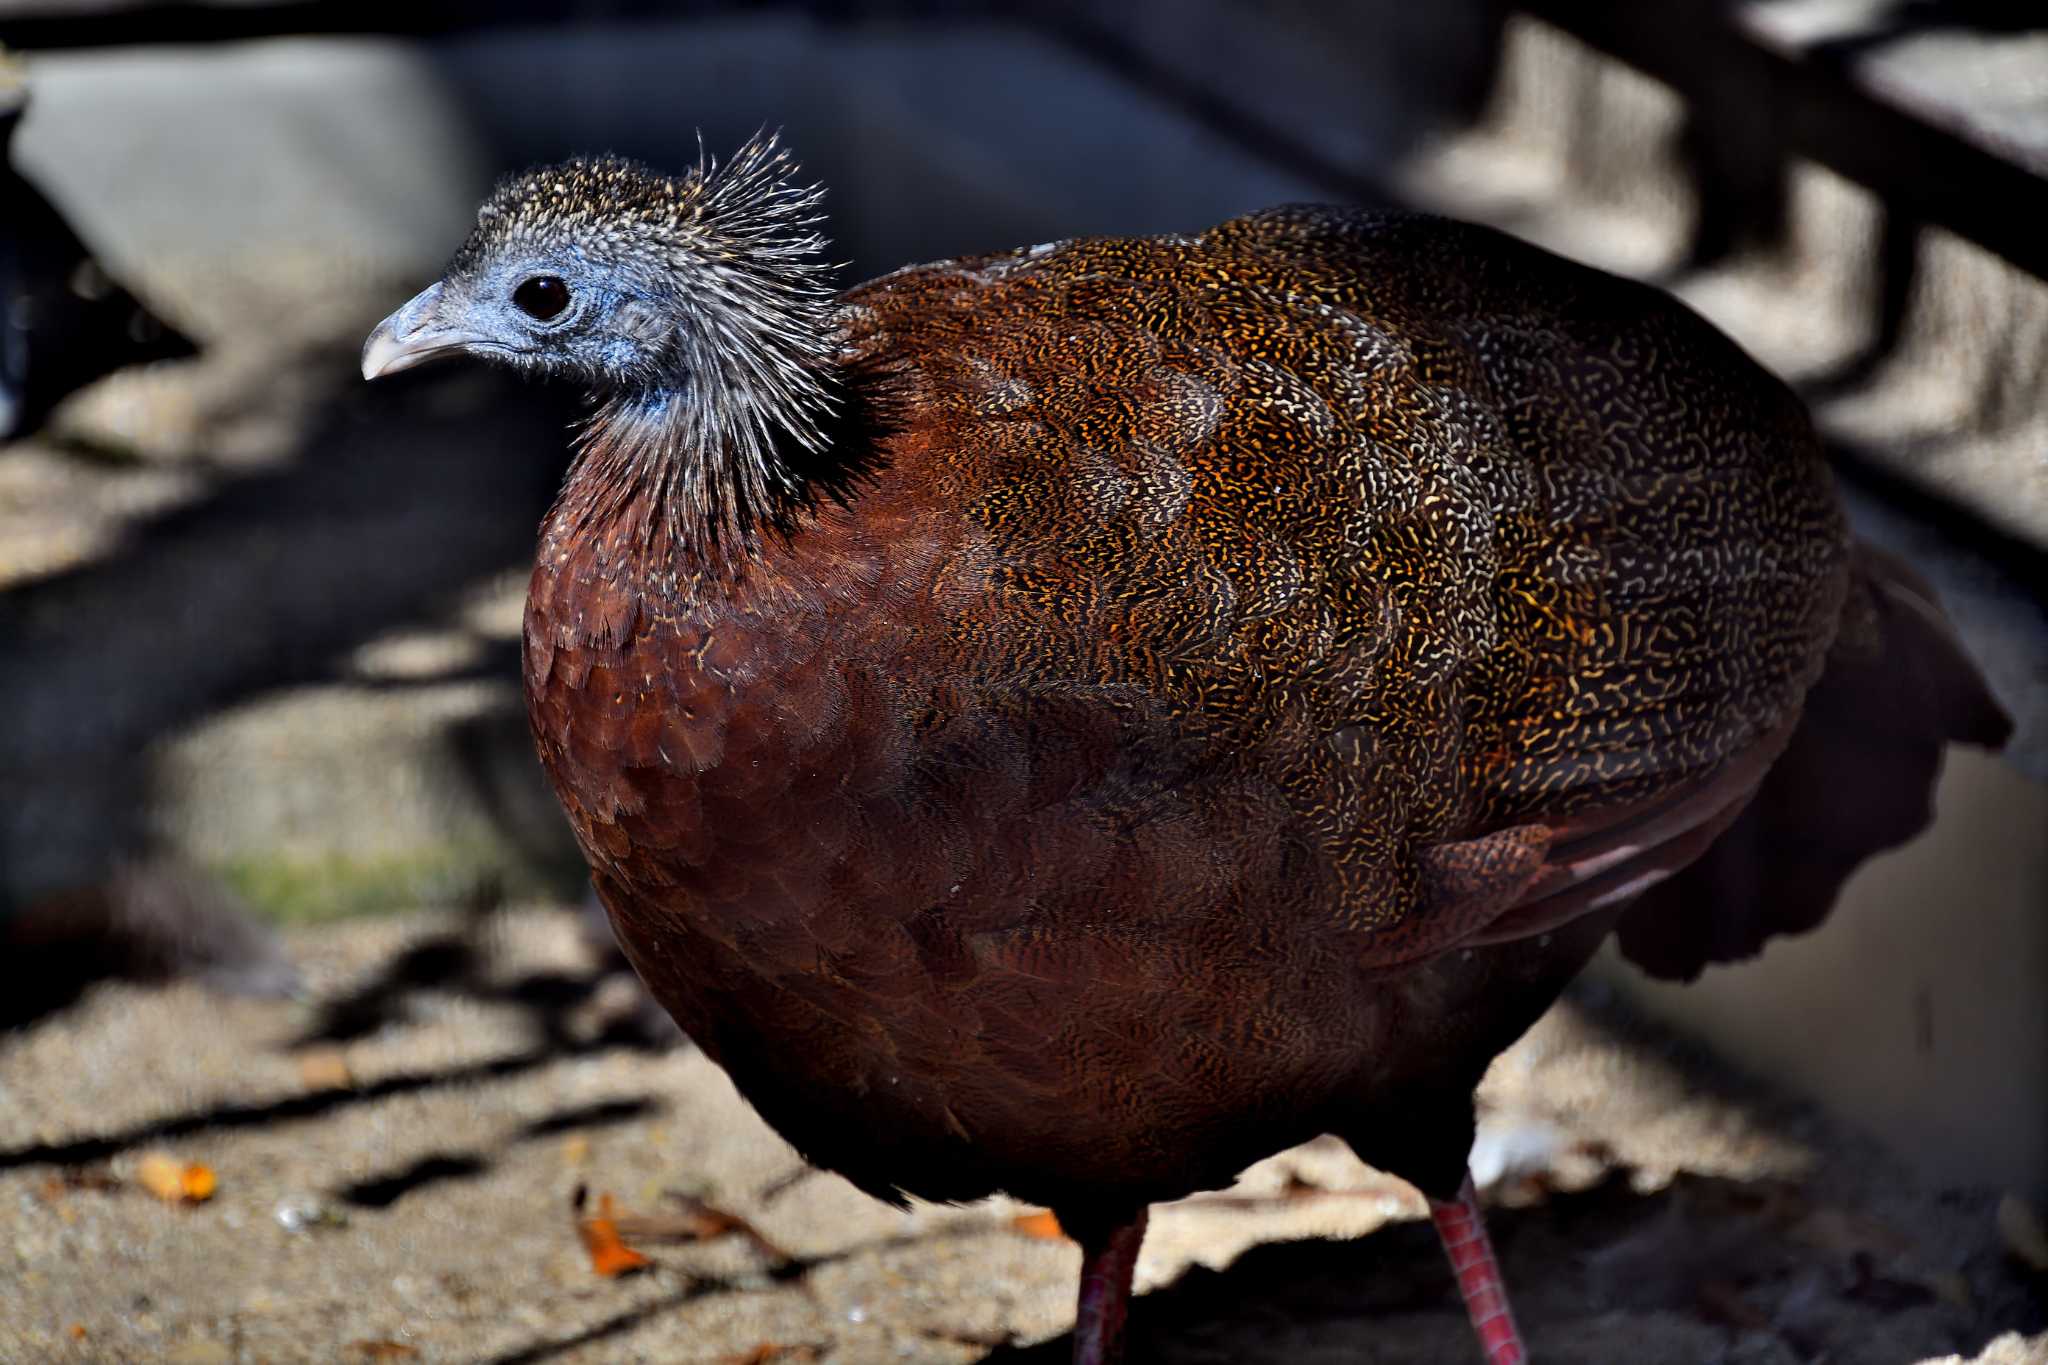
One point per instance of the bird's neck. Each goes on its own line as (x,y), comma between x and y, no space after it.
(712,490)
(698,482)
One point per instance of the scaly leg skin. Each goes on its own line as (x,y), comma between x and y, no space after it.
(1462,1228)
(1106,1265)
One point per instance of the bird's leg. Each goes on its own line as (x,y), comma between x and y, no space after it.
(1462,1229)
(1107,1259)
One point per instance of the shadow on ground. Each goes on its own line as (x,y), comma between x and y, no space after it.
(1734,1270)
(559,1012)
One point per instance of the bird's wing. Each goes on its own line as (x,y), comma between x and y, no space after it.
(1446,537)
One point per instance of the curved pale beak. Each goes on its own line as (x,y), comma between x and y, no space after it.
(416,334)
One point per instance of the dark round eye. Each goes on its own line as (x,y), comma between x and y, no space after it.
(541,297)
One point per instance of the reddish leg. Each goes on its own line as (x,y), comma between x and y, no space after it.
(1106,1264)
(1463,1231)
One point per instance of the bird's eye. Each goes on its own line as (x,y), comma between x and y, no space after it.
(543,297)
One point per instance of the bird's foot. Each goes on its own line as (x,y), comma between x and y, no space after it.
(1107,1262)
(1462,1228)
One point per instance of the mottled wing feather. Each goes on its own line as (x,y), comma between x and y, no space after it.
(1435,540)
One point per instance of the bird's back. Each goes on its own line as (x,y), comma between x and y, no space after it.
(1437,532)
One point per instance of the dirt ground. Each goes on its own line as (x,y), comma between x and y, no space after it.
(396,1155)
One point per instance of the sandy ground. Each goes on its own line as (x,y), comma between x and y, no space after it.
(397,1154)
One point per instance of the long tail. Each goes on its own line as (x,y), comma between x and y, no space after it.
(1857,778)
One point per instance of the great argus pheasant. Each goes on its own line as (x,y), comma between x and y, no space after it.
(1077,720)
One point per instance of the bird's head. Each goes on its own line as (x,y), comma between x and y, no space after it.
(696,307)
(604,271)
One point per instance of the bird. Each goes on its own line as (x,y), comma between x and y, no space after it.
(1076,720)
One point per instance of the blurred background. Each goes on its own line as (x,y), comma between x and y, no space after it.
(258,623)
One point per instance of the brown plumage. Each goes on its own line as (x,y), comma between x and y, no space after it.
(1165,698)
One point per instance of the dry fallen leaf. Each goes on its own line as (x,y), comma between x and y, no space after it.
(325,1068)
(1042,1225)
(609,1254)
(969,1336)
(77,1331)
(383,1350)
(769,1351)
(174,1181)
(696,1221)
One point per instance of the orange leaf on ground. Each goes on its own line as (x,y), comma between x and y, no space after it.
(770,1351)
(696,1221)
(174,1181)
(609,1254)
(383,1350)
(77,1330)
(325,1068)
(1041,1225)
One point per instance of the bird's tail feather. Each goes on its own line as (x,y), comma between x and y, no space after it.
(1857,778)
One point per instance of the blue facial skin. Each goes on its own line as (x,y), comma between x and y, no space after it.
(609,334)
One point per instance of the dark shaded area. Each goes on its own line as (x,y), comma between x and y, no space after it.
(153,921)
(1957,532)
(384,1191)
(89,25)
(261,1113)
(1214,110)
(387,509)
(598,1115)
(64,321)
(452,963)
(449,961)
(459,962)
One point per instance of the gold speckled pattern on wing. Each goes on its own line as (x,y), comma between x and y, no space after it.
(1435,536)
(1081,809)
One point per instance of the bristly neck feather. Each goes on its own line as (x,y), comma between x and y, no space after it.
(731,436)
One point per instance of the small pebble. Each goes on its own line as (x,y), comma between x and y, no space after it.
(300,1213)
